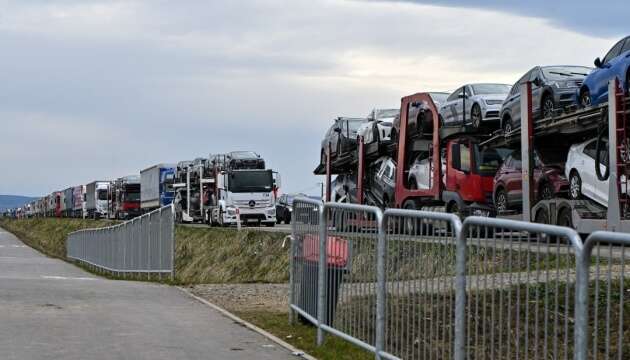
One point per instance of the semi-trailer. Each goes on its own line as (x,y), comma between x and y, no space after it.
(156,186)
(96,199)
(124,198)
(78,194)
(67,203)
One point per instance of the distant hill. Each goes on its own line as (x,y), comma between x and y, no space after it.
(13,201)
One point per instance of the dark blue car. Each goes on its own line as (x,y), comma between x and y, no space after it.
(616,63)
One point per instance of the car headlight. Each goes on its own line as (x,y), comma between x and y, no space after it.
(493,102)
(231,211)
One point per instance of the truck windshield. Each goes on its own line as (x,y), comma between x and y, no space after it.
(250,181)
(102,194)
(134,196)
(487,161)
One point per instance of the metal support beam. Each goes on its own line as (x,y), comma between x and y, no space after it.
(328,175)
(527,153)
(613,215)
(361,173)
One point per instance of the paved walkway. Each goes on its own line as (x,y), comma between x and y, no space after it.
(50,309)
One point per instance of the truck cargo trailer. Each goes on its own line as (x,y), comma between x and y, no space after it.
(156,186)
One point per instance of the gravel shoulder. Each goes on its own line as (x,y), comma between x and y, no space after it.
(245,297)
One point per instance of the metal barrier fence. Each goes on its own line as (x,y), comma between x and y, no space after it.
(145,244)
(422,285)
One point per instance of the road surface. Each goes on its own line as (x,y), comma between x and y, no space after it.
(50,309)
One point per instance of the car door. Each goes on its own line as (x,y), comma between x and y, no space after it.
(586,169)
(536,76)
(389,180)
(513,179)
(513,101)
(451,107)
(466,104)
(602,75)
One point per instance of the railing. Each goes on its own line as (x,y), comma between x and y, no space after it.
(422,285)
(144,245)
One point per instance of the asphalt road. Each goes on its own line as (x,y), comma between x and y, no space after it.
(50,309)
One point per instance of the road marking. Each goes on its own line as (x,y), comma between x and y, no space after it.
(52,277)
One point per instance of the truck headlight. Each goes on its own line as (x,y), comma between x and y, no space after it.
(271,211)
(231,211)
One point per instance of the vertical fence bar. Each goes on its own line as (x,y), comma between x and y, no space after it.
(321,280)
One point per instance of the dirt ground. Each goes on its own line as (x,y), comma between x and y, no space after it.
(246,297)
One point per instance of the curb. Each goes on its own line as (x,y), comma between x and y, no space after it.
(295,351)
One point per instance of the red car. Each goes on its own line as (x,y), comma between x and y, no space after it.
(549,179)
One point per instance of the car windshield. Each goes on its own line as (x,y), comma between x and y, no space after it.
(484,89)
(250,181)
(386,113)
(438,97)
(488,160)
(354,125)
(564,72)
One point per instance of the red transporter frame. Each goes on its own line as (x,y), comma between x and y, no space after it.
(404,197)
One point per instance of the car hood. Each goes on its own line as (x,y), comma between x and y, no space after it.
(499,97)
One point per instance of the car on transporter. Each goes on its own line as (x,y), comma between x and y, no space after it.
(583,179)
(616,63)
(419,117)
(379,126)
(474,104)
(549,179)
(342,138)
(554,88)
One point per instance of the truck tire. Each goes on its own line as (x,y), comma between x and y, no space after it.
(270,224)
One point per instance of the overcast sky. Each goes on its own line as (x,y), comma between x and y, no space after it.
(102,89)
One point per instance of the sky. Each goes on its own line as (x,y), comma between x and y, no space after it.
(102,89)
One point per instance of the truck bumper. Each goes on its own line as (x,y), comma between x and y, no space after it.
(247,215)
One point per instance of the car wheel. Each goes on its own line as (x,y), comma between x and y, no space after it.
(575,186)
(547,107)
(585,98)
(507,125)
(500,200)
(546,191)
(287,219)
(475,116)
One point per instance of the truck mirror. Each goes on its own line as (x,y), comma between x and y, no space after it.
(598,63)
(337,129)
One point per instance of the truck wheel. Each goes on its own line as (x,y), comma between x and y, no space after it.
(287,219)
(546,191)
(564,218)
(270,224)
(454,209)
(542,216)
(278,219)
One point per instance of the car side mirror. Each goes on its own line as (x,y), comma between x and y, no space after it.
(598,63)
(462,96)
(537,81)
(415,104)
(337,129)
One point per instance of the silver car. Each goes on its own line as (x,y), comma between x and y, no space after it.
(553,88)
(474,104)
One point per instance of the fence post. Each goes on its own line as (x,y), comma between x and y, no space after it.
(459,352)
(291,265)
(381,298)
(321,281)
(172,208)
(581,301)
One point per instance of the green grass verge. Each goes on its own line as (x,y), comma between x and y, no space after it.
(304,337)
(48,235)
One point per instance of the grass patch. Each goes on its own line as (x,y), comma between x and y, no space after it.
(48,235)
(304,337)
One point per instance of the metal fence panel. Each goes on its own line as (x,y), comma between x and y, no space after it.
(607,298)
(520,292)
(142,245)
(420,258)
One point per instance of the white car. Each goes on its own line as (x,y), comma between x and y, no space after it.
(474,104)
(379,126)
(420,174)
(580,170)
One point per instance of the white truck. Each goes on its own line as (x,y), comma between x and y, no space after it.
(96,199)
(247,195)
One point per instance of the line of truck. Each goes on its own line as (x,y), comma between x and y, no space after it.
(221,189)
